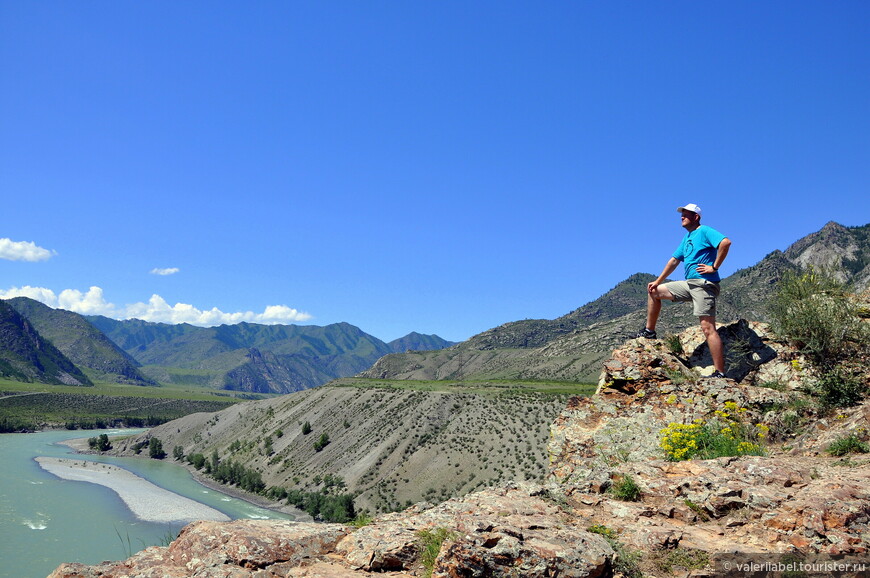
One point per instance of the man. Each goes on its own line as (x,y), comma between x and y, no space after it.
(702,252)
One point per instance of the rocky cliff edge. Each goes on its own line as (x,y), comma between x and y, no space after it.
(697,517)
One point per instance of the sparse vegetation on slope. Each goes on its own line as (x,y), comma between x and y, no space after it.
(392,443)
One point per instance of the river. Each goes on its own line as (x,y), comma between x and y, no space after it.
(45,520)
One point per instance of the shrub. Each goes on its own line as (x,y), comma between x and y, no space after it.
(196,460)
(773,384)
(626,562)
(625,489)
(100,443)
(672,341)
(602,530)
(322,442)
(330,508)
(725,435)
(687,559)
(848,445)
(306,428)
(362,519)
(155,449)
(837,387)
(812,309)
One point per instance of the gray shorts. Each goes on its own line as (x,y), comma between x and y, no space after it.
(700,292)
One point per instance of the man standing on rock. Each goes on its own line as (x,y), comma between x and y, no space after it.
(702,252)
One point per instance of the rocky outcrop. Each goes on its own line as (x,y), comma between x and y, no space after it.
(509,531)
(211,549)
(648,384)
(746,504)
(797,499)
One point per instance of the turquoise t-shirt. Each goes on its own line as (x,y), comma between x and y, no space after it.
(699,248)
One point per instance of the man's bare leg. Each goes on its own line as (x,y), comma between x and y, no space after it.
(654,305)
(653,309)
(714,342)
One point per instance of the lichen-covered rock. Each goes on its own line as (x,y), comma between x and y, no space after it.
(506,531)
(746,504)
(252,543)
(643,388)
(559,552)
(210,549)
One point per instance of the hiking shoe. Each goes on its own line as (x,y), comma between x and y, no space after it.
(646,333)
(717,375)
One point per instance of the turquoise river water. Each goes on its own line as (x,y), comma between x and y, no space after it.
(45,520)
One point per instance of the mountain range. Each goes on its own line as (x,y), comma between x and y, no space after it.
(246,357)
(38,343)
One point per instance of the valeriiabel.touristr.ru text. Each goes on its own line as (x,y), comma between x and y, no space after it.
(791,565)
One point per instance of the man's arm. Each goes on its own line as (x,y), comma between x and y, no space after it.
(721,253)
(669,268)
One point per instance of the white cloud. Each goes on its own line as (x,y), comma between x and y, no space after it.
(156,309)
(165,271)
(23,251)
(40,294)
(90,303)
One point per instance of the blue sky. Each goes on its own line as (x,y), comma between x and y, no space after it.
(441,167)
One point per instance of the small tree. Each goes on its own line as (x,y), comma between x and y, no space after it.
(196,460)
(100,443)
(155,449)
(322,442)
(306,428)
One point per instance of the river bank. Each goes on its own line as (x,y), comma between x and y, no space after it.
(147,501)
(80,445)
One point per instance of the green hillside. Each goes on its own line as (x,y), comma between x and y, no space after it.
(26,356)
(81,342)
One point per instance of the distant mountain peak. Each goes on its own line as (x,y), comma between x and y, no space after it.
(415,341)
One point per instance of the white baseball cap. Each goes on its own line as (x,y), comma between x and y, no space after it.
(690,207)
